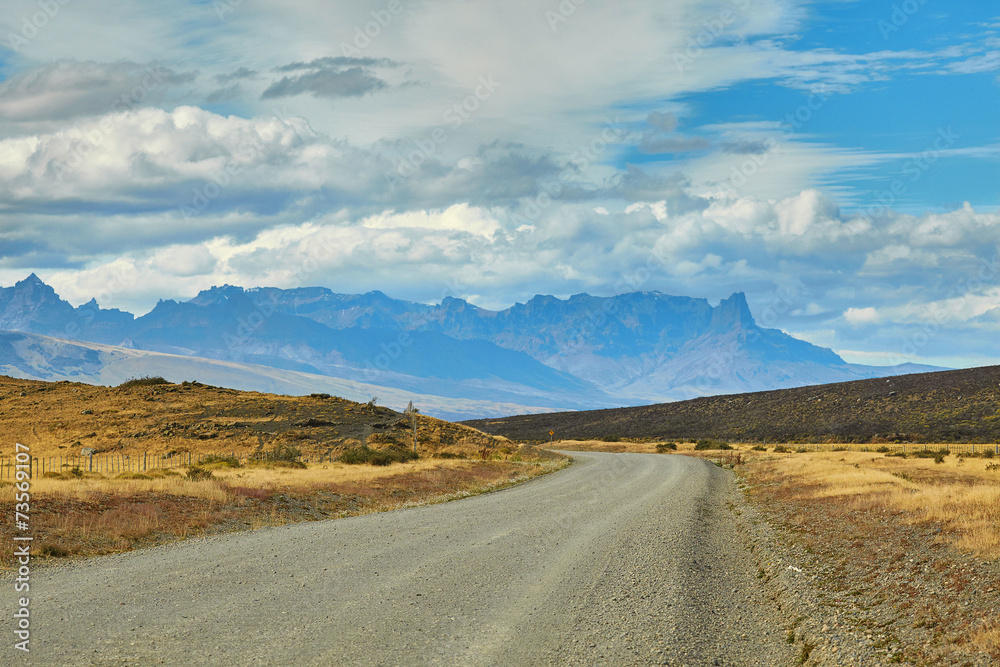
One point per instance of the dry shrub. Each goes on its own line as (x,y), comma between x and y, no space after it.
(987,639)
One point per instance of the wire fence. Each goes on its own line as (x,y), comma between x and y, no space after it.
(110,463)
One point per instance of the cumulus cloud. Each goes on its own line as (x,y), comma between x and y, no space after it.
(151,153)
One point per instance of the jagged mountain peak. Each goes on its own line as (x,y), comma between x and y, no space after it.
(33,278)
(33,283)
(732,312)
(217,294)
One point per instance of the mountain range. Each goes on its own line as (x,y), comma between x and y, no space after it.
(547,354)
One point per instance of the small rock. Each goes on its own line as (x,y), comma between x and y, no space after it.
(88,451)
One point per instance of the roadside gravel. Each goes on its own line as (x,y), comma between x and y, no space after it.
(617,560)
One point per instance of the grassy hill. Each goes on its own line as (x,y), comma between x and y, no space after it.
(256,478)
(948,406)
(62,418)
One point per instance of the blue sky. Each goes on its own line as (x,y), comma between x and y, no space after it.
(837,161)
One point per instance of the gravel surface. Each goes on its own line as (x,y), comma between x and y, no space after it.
(617,560)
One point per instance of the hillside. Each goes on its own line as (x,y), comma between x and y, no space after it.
(948,406)
(62,418)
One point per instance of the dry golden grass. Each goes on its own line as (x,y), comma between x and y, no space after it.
(961,495)
(601,446)
(988,638)
(172,483)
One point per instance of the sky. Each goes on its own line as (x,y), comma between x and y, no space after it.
(838,161)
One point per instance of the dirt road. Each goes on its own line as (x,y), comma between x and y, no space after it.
(617,560)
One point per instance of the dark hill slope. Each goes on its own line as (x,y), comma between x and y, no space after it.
(948,406)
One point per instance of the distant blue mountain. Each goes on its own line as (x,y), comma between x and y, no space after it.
(581,352)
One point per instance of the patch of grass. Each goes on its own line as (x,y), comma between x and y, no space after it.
(216,459)
(703,445)
(146,381)
(281,456)
(759,448)
(938,456)
(53,550)
(610,438)
(364,455)
(807,648)
(664,447)
(196,474)
(780,449)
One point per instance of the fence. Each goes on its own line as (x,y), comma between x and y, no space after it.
(114,463)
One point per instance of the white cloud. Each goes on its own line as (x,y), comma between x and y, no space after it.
(184,261)
(148,152)
(859,316)
(460,218)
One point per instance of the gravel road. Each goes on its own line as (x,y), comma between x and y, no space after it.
(620,559)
